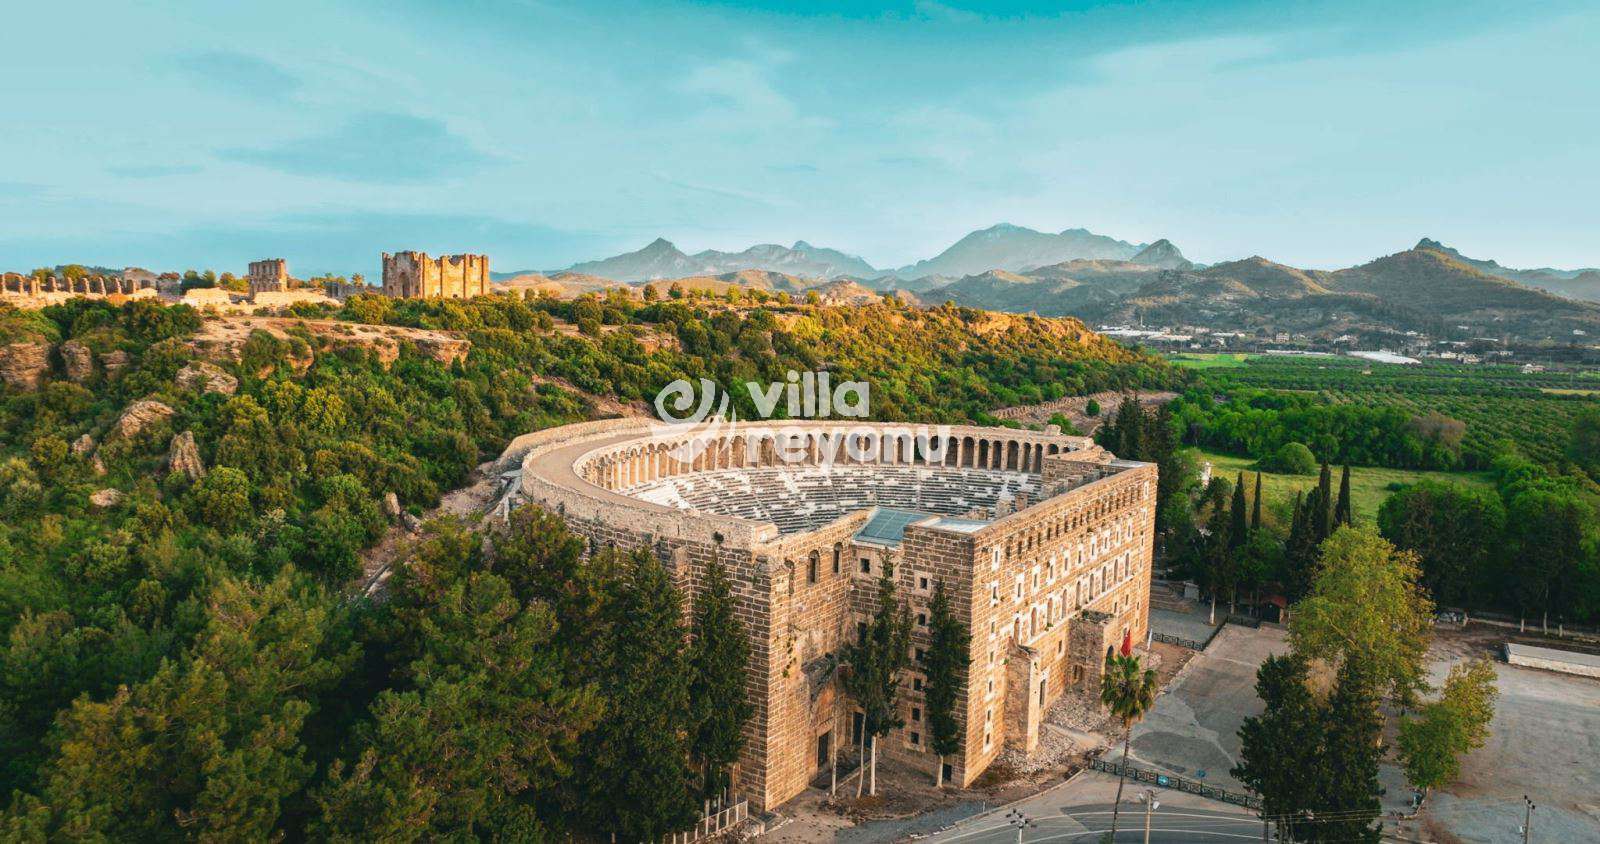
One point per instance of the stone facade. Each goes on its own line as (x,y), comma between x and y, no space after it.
(1045,581)
(413,275)
(269,276)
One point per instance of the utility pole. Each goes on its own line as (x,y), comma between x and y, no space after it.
(1527,818)
(1148,798)
(1020,821)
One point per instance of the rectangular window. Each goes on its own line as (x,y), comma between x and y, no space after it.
(916,684)
(916,714)
(916,738)
(866,566)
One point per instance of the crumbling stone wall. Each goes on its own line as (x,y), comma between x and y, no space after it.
(413,275)
(268,276)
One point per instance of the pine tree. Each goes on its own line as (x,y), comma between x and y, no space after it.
(1255,506)
(1342,513)
(634,777)
(718,658)
(945,667)
(872,678)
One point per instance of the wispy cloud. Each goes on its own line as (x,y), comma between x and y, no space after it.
(726,193)
(240,74)
(374,147)
(152,171)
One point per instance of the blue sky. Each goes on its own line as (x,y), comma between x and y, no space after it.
(1322,134)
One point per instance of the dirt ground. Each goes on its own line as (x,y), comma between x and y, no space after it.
(1544,742)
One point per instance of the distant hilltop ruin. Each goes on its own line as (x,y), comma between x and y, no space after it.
(413,275)
(51,289)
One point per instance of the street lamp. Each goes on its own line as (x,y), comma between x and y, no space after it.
(1020,821)
(1148,798)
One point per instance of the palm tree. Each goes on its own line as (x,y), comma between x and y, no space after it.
(1128,690)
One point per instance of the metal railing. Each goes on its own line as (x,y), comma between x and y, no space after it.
(715,823)
(1179,783)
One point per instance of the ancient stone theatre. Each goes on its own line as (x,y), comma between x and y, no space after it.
(1042,541)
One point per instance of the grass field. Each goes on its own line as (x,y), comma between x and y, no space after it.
(1368,486)
(1225,360)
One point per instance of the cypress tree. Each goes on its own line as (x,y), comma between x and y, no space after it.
(874,665)
(1342,512)
(1238,528)
(1255,506)
(718,657)
(945,664)
(1349,789)
(1321,524)
(1280,749)
(635,780)
(1127,439)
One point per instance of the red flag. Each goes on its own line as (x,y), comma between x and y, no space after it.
(1127,643)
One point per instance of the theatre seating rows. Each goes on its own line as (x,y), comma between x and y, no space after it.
(803,498)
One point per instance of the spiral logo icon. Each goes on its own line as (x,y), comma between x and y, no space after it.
(680,396)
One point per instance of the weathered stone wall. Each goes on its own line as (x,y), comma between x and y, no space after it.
(414,275)
(29,292)
(271,275)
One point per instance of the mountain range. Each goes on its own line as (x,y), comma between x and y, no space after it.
(1431,287)
(1004,247)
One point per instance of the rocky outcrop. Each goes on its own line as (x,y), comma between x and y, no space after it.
(23,366)
(106,498)
(184,456)
(222,339)
(207,378)
(139,416)
(77,361)
(83,445)
(391,506)
(114,362)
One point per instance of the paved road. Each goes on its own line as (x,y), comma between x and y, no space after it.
(1080,811)
(1089,823)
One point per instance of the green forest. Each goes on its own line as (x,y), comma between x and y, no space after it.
(188,657)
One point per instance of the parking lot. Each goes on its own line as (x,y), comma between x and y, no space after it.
(1544,742)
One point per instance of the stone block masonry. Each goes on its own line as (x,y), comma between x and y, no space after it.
(414,275)
(1042,542)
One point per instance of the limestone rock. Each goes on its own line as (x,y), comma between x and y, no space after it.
(77,360)
(183,456)
(83,445)
(208,378)
(106,498)
(114,362)
(140,415)
(23,365)
(391,506)
(410,522)
(444,349)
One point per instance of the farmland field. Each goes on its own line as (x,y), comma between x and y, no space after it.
(1368,486)
(1534,410)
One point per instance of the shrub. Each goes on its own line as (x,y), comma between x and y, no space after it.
(1291,459)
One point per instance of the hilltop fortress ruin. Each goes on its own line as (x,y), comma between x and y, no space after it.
(413,275)
(1042,541)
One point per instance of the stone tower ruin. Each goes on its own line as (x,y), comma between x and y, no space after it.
(269,276)
(413,275)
